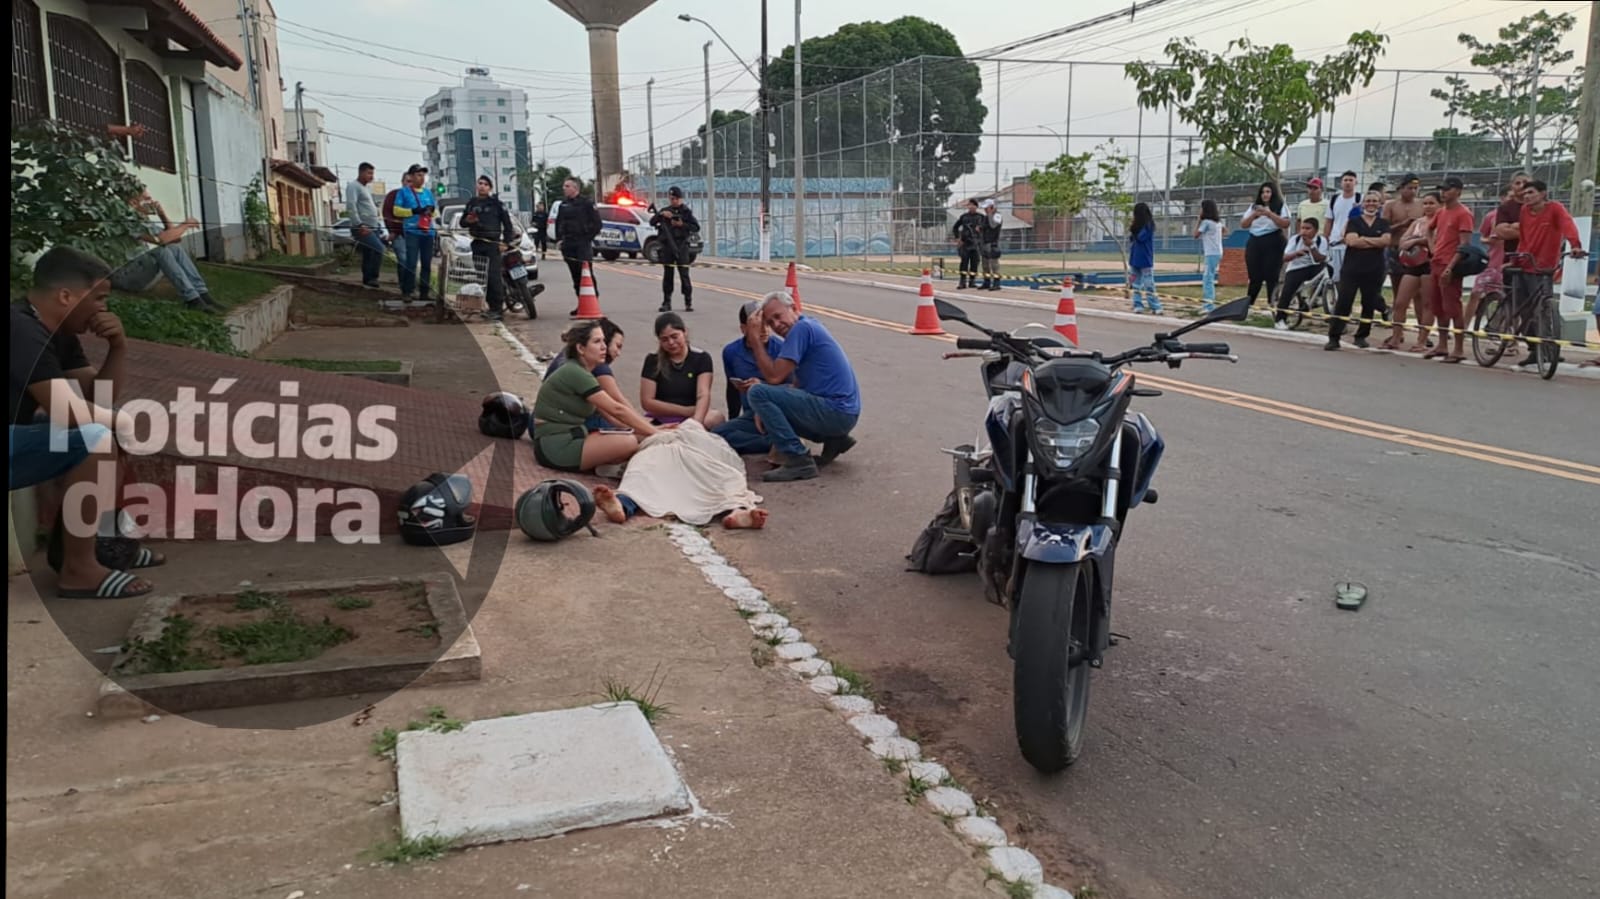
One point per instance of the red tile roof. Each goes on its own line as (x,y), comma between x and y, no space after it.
(295,173)
(184,27)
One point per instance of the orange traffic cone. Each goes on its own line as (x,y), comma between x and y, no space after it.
(927,316)
(1067,314)
(588,300)
(792,284)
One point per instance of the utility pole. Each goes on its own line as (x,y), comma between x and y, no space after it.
(711,165)
(767,162)
(300,122)
(650,124)
(1533,112)
(249,28)
(997,127)
(799,151)
(1585,161)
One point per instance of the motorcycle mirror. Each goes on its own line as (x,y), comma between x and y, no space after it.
(950,312)
(1236,311)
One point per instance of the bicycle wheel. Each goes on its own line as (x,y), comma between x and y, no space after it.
(1294,312)
(1494,318)
(1547,324)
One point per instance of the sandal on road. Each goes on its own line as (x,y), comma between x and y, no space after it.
(1436,354)
(1453,359)
(116,585)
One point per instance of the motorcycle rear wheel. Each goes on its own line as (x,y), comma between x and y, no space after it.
(1050,692)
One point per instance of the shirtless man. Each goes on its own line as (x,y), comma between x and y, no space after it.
(1400,212)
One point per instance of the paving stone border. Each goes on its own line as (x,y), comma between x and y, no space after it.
(926,782)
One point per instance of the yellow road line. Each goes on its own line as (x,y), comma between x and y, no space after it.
(1332,421)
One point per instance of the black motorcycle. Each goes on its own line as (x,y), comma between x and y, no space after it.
(520,294)
(1042,507)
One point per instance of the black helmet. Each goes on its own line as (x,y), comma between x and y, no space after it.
(1470,260)
(538,512)
(434,511)
(675,191)
(504,415)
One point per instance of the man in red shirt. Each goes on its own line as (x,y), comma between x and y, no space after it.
(1452,229)
(1540,230)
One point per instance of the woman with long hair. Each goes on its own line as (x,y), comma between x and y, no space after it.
(675,384)
(566,400)
(602,372)
(1263,254)
(1142,259)
(1210,233)
(1415,254)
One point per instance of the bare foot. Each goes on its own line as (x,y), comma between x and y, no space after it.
(753,519)
(605,499)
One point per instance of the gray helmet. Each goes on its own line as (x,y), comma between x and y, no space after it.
(434,511)
(538,512)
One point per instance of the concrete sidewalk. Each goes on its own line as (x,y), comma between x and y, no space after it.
(794,804)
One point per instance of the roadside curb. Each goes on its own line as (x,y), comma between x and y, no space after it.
(927,783)
(1567,369)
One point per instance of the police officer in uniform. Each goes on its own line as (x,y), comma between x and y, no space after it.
(968,233)
(577,225)
(673,226)
(489,223)
(991,246)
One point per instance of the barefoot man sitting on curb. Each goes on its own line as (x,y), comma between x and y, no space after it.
(823,407)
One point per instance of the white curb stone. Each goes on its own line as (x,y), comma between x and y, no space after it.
(952,803)
(790,635)
(849,706)
(769,621)
(711,571)
(827,684)
(730,581)
(930,773)
(981,832)
(741,594)
(1049,892)
(811,667)
(707,559)
(794,652)
(1015,864)
(874,727)
(897,749)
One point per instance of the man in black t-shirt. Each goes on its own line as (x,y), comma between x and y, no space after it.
(49,375)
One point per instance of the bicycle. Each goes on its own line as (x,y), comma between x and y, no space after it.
(1319,294)
(1503,319)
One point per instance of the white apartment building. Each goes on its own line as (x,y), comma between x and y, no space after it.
(478,128)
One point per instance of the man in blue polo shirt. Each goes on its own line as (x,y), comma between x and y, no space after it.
(826,401)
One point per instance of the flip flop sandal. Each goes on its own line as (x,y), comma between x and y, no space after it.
(116,585)
(115,553)
(1452,360)
(1350,596)
(1435,354)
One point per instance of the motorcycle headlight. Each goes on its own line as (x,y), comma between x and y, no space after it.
(1060,445)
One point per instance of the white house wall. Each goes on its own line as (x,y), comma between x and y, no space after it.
(229,137)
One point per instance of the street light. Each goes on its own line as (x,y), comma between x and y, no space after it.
(1058,137)
(765,253)
(688,18)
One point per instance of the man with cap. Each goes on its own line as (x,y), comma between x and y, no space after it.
(1315,205)
(366,225)
(673,226)
(415,207)
(1452,229)
(489,223)
(968,237)
(991,246)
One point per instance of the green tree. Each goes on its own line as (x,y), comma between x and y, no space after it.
(1508,108)
(1469,151)
(1085,183)
(69,188)
(1253,101)
(1221,168)
(544,181)
(888,99)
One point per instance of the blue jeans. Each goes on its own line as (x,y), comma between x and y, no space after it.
(789,414)
(372,250)
(1144,284)
(742,435)
(1209,283)
(179,269)
(35,461)
(419,249)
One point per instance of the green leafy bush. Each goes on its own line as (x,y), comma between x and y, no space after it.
(164,321)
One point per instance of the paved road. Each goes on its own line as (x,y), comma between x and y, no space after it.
(1249,739)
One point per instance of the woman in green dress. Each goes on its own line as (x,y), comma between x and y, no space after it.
(566,400)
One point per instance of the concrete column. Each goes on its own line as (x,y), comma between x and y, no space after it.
(607,88)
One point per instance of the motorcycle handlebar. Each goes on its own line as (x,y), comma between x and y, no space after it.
(1211,349)
(973,343)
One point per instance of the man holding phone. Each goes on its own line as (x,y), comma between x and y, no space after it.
(740,363)
(415,207)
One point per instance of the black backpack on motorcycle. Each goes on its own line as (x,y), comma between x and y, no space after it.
(934,552)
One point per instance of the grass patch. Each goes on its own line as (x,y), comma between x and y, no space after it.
(168,321)
(427,629)
(613,690)
(775,640)
(1086,892)
(746,614)
(915,789)
(282,260)
(280,637)
(1018,889)
(434,719)
(403,850)
(894,766)
(250,600)
(361,365)
(855,683)
(350,603)
(172,651)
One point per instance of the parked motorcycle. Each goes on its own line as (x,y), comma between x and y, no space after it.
(1043,505)
(520,294)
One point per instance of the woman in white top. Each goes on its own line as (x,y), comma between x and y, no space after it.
(1263,254)
(1210,232)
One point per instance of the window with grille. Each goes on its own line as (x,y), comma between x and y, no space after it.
(86,75)
(28,100)
(147,106)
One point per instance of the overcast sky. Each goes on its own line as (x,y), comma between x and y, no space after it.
(370,101)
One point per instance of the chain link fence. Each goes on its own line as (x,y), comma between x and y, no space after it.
(885,180)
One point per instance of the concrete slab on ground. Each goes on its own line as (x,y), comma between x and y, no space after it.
(538,775)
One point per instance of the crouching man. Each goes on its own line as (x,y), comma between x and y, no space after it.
(825,405)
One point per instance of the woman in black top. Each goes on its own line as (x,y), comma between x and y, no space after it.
(1366,237)
(675,384)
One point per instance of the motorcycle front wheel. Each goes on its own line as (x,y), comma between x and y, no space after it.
(1050,673)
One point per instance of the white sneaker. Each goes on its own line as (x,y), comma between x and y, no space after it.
(1281,325)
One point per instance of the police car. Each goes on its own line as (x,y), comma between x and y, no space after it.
(624,228)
